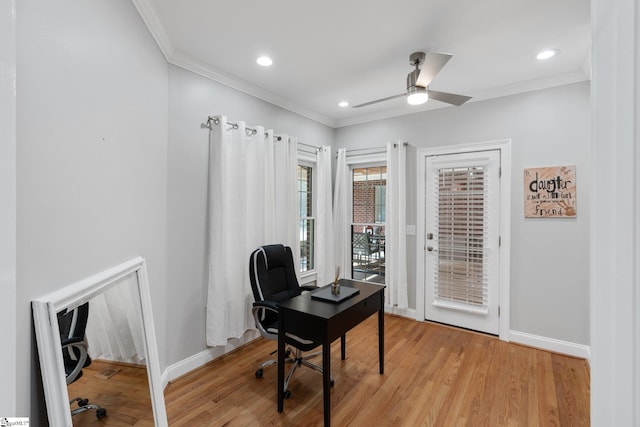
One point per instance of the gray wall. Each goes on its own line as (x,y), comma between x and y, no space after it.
(7,206)
(191,99)
(112,163)
(549,258)
(91,158)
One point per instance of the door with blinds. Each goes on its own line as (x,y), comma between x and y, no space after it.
(462,207)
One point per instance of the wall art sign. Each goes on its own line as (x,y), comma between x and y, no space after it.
(550,192)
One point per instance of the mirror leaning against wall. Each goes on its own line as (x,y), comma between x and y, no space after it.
(100,328)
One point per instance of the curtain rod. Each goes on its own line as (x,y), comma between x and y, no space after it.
(211,120)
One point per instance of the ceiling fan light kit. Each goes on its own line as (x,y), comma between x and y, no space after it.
(427,65)
(417,95)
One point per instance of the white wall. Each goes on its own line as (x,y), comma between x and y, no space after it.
(7,207)
(91,158)
(191,99)
(549,278)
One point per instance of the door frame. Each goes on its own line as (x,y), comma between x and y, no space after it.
(504,147)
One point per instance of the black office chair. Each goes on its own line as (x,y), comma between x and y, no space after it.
(273,280)
(72,325)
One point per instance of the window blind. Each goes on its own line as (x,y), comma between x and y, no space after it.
(461,274)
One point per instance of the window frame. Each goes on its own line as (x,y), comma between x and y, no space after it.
(309,276)
(358,162)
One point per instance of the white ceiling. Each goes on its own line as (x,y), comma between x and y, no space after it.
(358,50)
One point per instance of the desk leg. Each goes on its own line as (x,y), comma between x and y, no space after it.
(326,381)
(343,346)
(381,337)
(281,352)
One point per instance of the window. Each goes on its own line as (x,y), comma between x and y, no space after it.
(368,223)
(307,221)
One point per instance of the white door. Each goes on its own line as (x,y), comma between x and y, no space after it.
(462,207)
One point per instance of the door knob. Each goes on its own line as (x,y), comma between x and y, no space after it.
(430,248)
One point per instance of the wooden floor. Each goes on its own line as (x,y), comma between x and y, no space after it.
(434,376)
(122,389)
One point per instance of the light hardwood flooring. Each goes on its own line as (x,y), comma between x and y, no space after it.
(125,395)
(434,376)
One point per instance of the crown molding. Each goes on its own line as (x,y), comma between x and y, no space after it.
(155,26)
(495,92)
(180,59)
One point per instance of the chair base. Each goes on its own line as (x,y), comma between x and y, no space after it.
(296,360)
(84,405)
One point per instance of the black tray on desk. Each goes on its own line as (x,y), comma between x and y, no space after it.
(324,294)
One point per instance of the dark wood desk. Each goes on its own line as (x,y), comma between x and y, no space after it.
(325,322)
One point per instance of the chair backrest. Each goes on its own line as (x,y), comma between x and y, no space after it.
(72,325)
(273,275)
(361,243)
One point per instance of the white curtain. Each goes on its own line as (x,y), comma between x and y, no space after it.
(324,246)
(252,202)
(341,220)
(396,227)
(114,330)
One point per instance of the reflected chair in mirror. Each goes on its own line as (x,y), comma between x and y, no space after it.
(273,280)
(72,324)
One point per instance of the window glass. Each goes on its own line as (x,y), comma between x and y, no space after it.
(368,223)
(307,221)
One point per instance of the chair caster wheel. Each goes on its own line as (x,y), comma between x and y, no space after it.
(101,413)
(259,373)
(287,394)
(83,402)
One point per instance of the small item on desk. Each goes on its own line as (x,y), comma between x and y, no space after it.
(335,286)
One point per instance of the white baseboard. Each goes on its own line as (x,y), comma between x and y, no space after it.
(197,360)
(409,313)
(551,344)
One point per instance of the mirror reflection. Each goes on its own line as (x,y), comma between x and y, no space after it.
(103,354)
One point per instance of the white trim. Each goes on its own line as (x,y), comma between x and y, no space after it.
(155,26)
(364,160)
(551,344)
(615,200)
(504,146)
(307,159)
(200,359)
(452,305)
(307,277)
(8,287)
(409,313)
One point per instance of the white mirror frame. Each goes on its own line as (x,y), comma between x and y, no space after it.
(45,318)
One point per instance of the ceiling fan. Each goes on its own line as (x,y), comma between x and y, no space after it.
(427,66)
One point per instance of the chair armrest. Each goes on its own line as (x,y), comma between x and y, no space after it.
(78,345)
(258,311)
(73,340)
(267,304)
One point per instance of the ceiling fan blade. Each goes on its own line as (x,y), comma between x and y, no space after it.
(388,98)
(433,63)
(449,98)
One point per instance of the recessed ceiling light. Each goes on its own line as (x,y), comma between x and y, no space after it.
(265,61)
(546,54)
(343,104)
